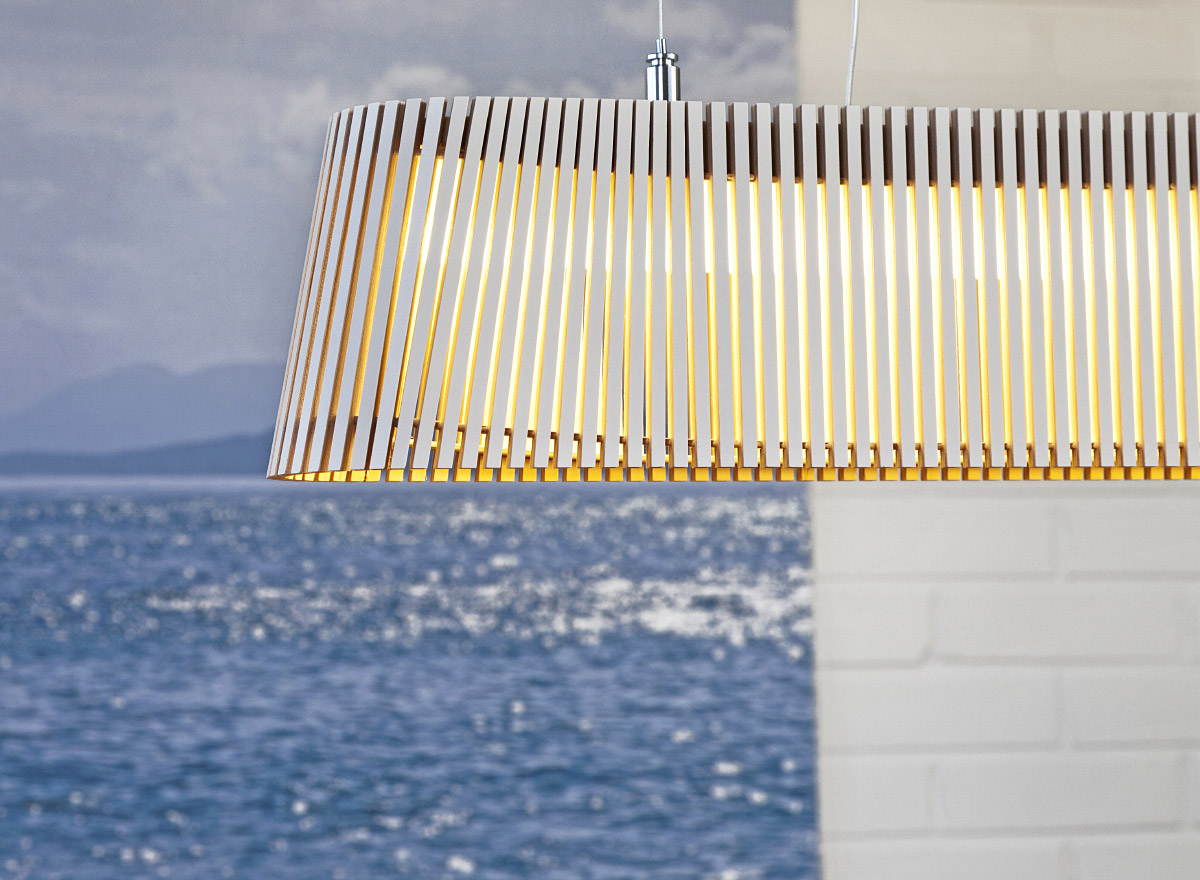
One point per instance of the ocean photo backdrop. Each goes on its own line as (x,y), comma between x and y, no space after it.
(230,678)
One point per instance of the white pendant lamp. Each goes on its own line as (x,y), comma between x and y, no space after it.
(541,289)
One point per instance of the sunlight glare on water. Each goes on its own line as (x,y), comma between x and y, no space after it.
(238,680)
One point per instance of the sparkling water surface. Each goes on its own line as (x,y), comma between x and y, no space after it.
(241,679)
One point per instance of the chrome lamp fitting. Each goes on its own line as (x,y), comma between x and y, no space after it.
(662,74)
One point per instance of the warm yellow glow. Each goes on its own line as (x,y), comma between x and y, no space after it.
(847,294)
(960,321)
(735,317)
(1053,399)
(985,380)
(1155,317)
(1093,379)
(914,314)
(1195,292)
(1134,327)
(1073,332)
(893,322)
(939,342)
(822,456)
(428,354)
(1026,326)
(874,344)
(1177,337)
(780,341)
(807,339)
(372,296)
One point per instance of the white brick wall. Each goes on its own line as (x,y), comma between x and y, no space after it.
(1064,54)
(1008,681)
(1008,676)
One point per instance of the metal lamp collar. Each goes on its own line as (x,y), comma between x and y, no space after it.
(662,74)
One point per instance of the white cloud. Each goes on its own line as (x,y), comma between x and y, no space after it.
(416,81)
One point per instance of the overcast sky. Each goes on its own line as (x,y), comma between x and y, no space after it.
(158,160)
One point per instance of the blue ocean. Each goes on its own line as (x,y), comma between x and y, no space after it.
(237,679)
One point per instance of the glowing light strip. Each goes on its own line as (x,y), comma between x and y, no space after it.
(547,289)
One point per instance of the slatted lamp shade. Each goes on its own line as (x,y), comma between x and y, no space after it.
(533,289)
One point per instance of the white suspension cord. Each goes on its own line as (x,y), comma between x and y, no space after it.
(662,71)
(853,51)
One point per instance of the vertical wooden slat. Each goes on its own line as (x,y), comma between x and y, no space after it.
(636,314)
(905,317)
(593,403)
(1142,309)
(1187,200)
(503,435)
(548,368)
(575,339)
(451,290)
(969,278)
(679,357)
(432,252)
(904,314)
(1123,325)
(722,243)
(815,287)
(1034,235)
(767,265)
(659,240)
(404,293)
(394,220)
(699,238)
(292,453)
(994,301)
(836,325)
(949,280)
(341,318)
(624,224)
(318,248)
(467,365)
(1082,239)
(793,285)
(364,292)
(513,294)
(1056,226)
(880,298)
(492,302)
(1101,390)
(1165,356)
(533,324)
(1014,257)
(857,232)
(310,260)
(747,362)
(346,220)
(928,260)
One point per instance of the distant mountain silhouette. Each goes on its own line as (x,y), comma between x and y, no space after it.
(243,454)
(144,407)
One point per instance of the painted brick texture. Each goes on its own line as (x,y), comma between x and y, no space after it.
(1008,681)
(1076,55)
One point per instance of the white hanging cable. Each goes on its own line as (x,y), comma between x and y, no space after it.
(853,51)
(662,70)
